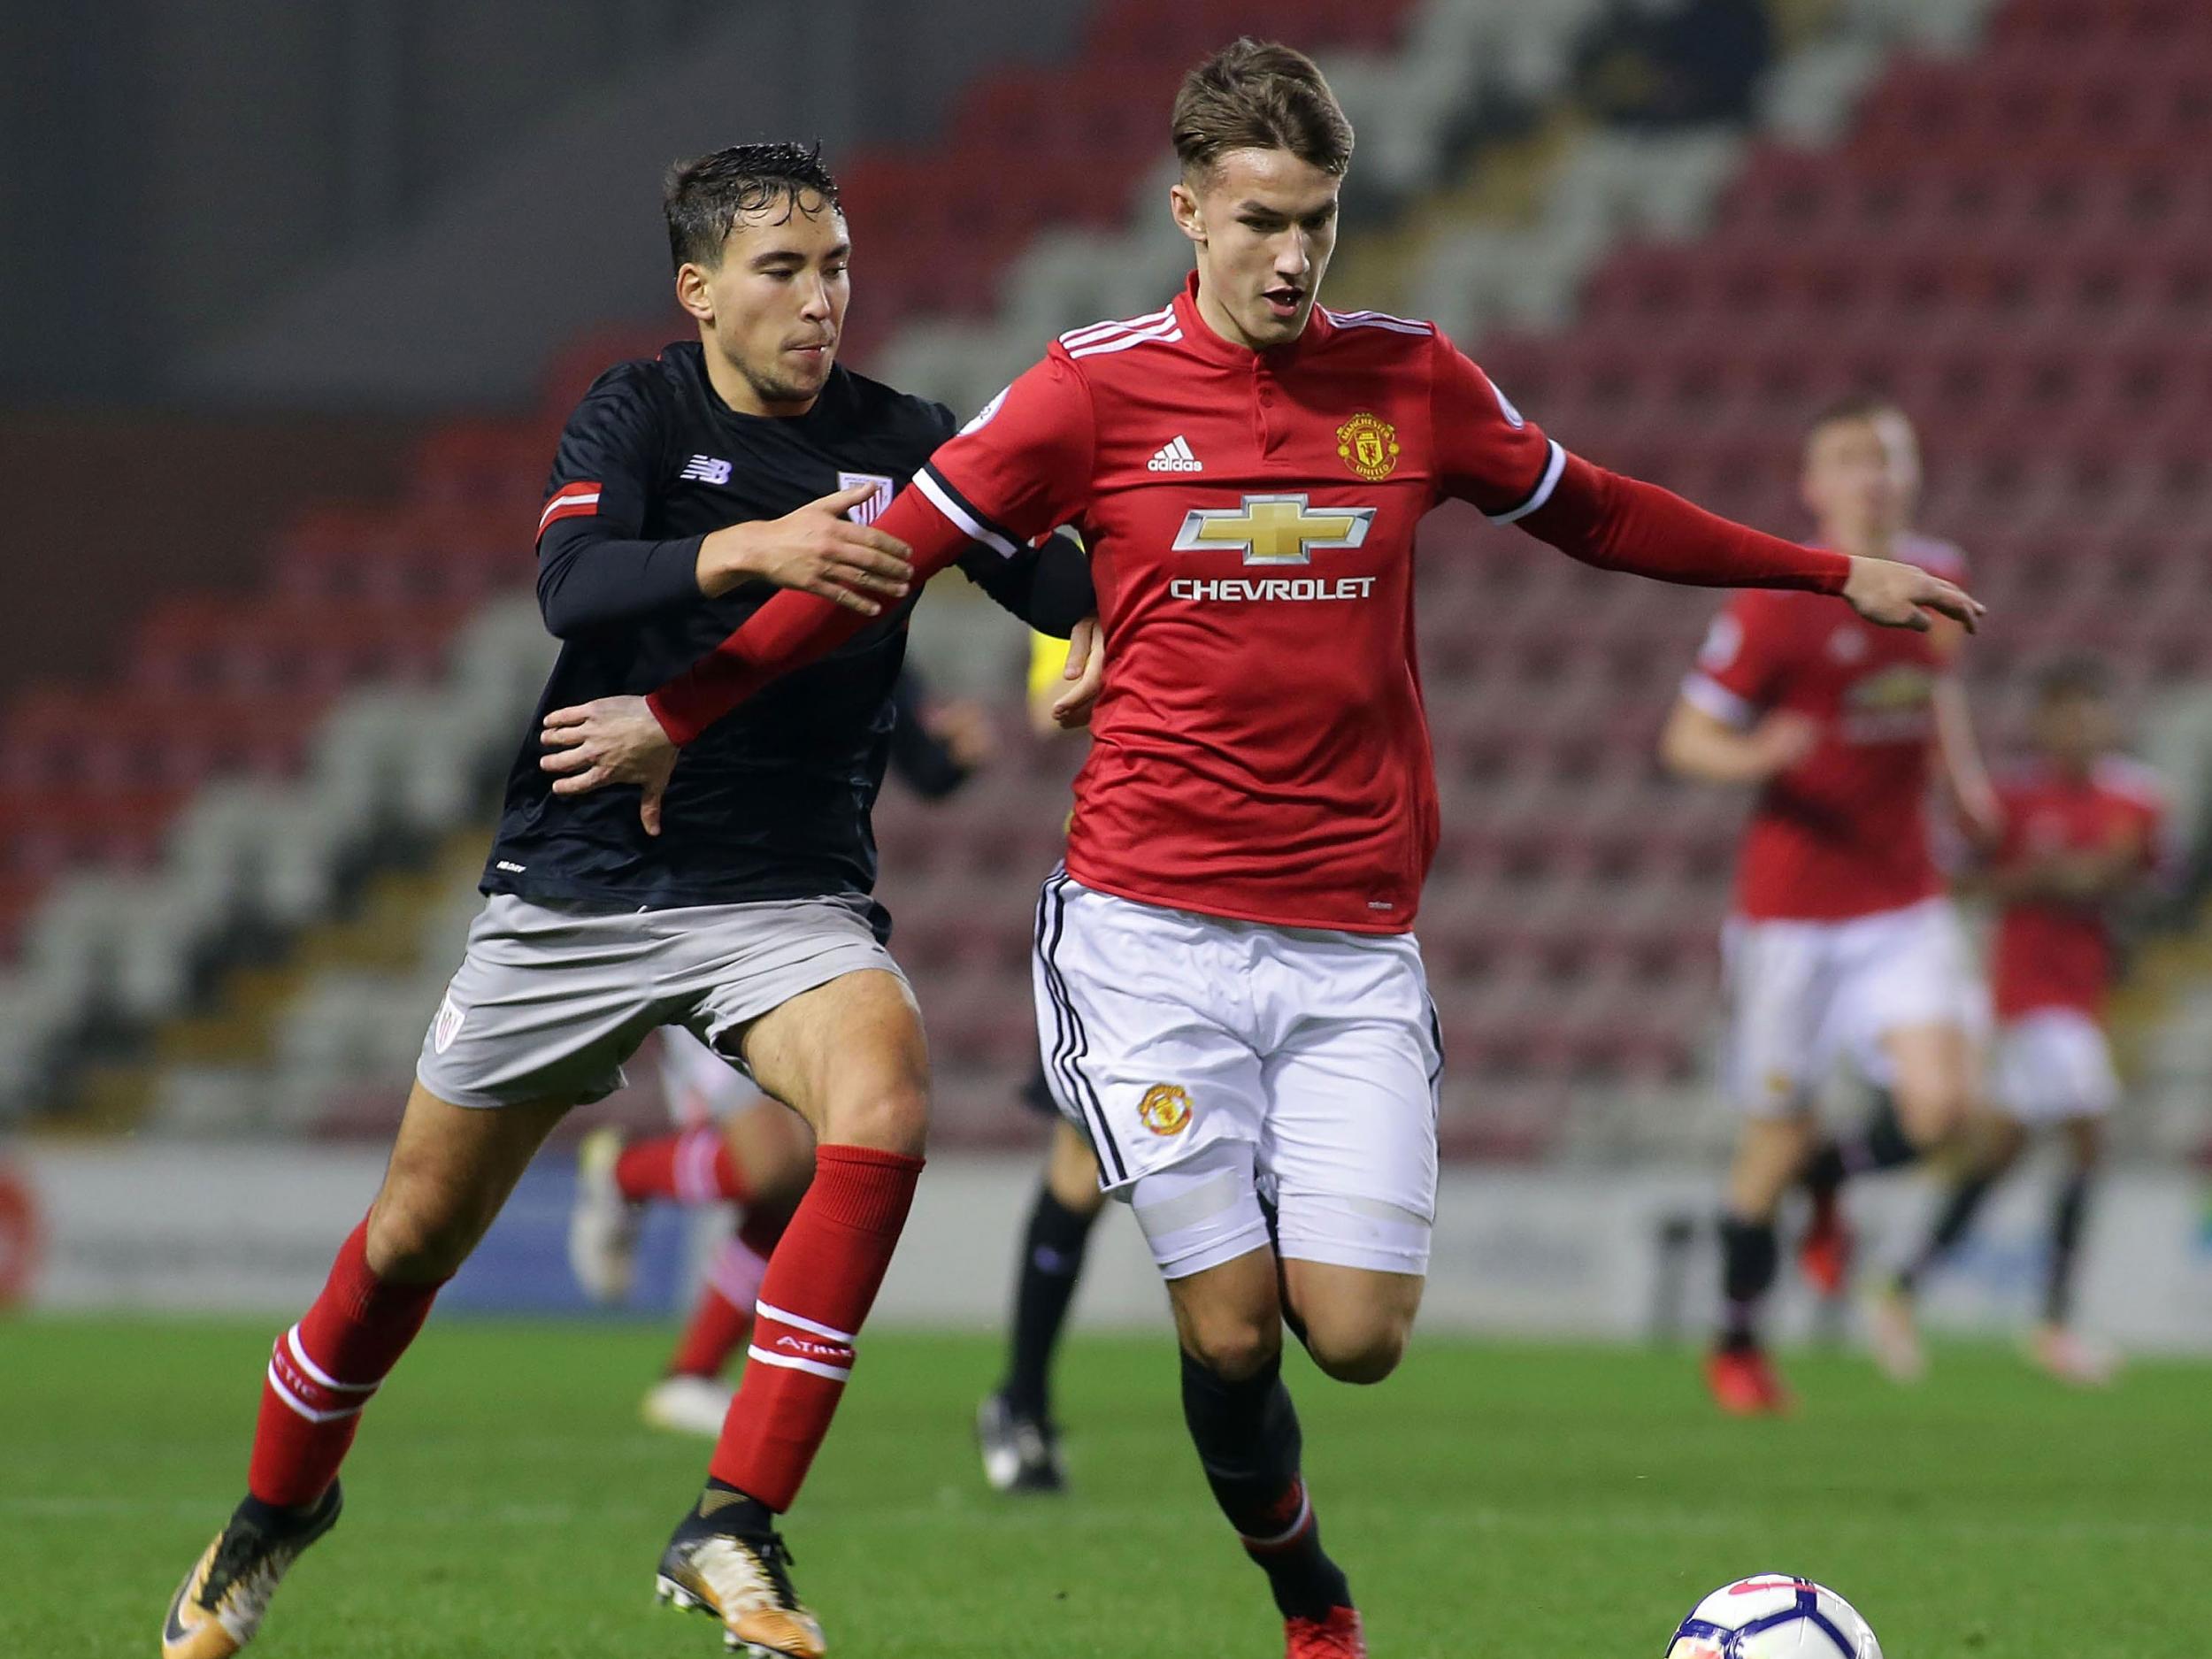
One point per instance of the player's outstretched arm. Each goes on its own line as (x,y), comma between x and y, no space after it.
(1624,524)
(635,740)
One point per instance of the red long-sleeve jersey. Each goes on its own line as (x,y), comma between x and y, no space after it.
(1260,750)
(2049,953)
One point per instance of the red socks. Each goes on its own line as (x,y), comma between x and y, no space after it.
(725,1314)
(695,1167)
(820,1285)
(323,1372)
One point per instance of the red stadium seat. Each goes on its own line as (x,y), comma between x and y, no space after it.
(128,738)
(290,646)
(44,831)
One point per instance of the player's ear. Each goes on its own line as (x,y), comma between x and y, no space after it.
(1190,218)
(692,292)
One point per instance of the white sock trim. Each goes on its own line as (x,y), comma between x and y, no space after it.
(798,1322)
(299,1357)
(835,1374)
(284,1392)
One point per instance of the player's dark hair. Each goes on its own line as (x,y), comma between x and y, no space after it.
(1861,405)
(1259,95)
(2073,677)
(705,196)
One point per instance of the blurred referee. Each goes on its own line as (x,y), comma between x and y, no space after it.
(686,490)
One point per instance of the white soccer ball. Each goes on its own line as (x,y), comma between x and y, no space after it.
(1774,1616)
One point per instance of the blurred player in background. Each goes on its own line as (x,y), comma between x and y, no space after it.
(731,1144)
(1014,1426)
(1841,944)
(1229,999)
(2082,829)
(684,489)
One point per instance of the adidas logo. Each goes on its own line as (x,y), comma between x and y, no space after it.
(1175,456)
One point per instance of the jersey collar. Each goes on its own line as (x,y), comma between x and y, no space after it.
(1200,339)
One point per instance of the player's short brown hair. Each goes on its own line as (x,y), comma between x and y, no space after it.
(705,198)
(1259,95)
(2075,678)
(1861,405)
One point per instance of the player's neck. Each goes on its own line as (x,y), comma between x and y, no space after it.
(736,390)
(2073,770)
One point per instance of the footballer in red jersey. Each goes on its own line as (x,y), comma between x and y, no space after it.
(1841,944)
(2082,832)
(1231,1002)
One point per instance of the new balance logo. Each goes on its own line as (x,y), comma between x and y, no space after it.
(1175,456)
(707,469)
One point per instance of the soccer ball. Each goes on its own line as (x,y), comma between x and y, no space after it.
(1774,1616)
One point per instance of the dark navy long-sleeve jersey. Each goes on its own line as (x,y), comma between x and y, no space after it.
(773,800)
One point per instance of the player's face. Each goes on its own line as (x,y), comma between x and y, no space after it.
(1265,223)
(774,308)
(2074,729)
(1862,477)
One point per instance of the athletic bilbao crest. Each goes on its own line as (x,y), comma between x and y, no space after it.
(1368,445)
(1165,1109)
(450,1014)
(871,510)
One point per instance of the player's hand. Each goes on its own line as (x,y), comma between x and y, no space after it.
(609,739)
(816,551)
(1901,595)
(1782,739)
(966,730)
(1086,674)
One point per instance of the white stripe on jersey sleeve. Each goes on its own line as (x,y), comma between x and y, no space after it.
(1544,488)
(941,499)
(1703,692)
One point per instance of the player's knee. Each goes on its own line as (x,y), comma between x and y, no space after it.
(891,1118)
(1233,1347)
(413,1239)
(1364,1350)
(1934,1112)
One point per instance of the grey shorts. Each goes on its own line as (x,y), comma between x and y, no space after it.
(552,997)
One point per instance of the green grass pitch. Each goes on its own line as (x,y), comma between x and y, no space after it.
(1503,1501)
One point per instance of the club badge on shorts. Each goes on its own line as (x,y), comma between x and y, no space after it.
(1165,1109)
(1368,445)
(450,1014)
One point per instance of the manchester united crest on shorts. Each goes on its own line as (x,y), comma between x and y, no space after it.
(1165,1109)
(1368,445)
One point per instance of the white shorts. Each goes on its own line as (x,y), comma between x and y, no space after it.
(702,1088)
(2054,1065)
(1213,1063)
(1803,995)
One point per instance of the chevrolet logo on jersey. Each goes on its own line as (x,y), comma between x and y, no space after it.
(1273,529)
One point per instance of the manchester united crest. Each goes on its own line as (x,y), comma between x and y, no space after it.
(1165,1109)
(1369,446)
